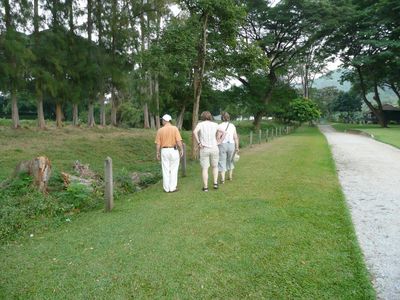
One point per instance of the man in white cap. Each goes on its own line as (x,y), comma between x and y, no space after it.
(168,142)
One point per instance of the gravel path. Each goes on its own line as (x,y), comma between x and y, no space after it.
(369,172)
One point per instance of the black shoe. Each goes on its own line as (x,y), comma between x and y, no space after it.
(215,186)
(205,189)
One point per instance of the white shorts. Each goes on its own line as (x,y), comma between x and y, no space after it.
(209,156)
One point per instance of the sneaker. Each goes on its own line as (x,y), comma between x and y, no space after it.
(215,186)
(205,189)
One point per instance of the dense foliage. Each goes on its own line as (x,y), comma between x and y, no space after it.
(127,62)
(303,110)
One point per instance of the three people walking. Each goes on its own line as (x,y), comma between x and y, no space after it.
(217,143)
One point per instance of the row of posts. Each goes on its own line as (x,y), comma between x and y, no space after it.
(109,183)
(271,133)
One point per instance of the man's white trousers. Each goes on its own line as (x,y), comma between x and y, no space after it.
(170,165)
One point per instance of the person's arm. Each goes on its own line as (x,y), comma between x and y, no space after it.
(236,139)
(196,135)
(158,151)
(158,145)
(180,146)
(220,135)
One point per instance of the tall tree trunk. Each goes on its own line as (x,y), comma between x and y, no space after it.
(75,115)
(146,123)
(13,92)
(267,99)
(395,90)
(378,112)
(14,110)
(306,87)
(59,115)
(114,17)
(40,114)
(199,72)
(102,111)
(179,120)
(91,121)
(39,93)
(198,81)
(146,115)
(257,119)
(152,123)
(113,108)
(381,118)
(157,98)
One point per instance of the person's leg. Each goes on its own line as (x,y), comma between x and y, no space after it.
(230,152)
(214,158)
(222,176)
(204,175)
(215,175)
(222,161)
(174,170)
(165,169)
(205,164)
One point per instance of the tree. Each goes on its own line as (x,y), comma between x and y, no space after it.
(283,32)
(325,98)
(37,69)
(349,103)
(15,53)
(368,42)
(303,110)
(219,17)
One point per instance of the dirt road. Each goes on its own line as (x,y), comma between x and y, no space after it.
(369,172)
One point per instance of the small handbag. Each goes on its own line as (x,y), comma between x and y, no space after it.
(236,157)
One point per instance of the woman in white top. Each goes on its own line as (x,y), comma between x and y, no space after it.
(205,134)
(228,147)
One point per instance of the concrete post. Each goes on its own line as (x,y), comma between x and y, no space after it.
(109,187)
(183,160)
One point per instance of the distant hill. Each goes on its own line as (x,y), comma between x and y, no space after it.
(333,79)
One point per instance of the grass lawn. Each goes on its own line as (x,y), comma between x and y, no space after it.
(279,230)
(389,135)
(132,149)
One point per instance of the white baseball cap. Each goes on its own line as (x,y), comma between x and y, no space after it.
(167,117)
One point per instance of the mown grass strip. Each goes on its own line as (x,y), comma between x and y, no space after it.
(279,230)
(389,135)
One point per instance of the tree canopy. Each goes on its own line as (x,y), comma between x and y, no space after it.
(129,61)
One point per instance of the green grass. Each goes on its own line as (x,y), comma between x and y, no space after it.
(280,230)
(130,149)
(21,208)
(389,135)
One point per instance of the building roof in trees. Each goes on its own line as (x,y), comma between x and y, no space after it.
(389,107)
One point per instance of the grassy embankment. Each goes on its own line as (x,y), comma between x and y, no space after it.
(23,209)
(132,150)
(389,135)
(280,230)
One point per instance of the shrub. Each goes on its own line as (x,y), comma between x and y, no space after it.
(303,110)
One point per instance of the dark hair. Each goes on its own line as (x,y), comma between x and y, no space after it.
(225,116)
(206,115)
